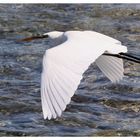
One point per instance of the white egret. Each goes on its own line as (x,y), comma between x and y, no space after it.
(64,65)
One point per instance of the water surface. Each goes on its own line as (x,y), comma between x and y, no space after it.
(98,108)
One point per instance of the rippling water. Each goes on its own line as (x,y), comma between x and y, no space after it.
(99,108)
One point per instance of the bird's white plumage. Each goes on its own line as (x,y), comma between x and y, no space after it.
(64,65)
(112,67)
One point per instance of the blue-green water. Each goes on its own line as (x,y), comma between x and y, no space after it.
(99,108)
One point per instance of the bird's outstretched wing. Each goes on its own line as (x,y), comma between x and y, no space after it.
(111,66)
(64,65)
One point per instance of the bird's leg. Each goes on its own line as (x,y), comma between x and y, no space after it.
(125,56)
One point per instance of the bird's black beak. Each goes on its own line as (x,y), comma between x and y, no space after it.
(28,39)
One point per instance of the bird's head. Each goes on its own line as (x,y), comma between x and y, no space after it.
(52,35)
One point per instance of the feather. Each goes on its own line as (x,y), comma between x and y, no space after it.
(64,65)
(112,67)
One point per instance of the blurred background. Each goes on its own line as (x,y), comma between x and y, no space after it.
(98,108)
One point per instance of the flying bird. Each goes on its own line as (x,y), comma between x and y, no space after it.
(70,57)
